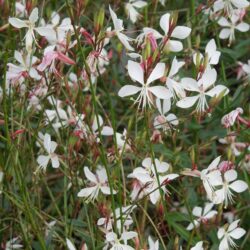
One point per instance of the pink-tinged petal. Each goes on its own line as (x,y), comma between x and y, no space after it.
(17,23)
(190,84)
(187,102)
(128,90)
(125,41)
(65,59)
(217,90)
(214,163)
(161,92)
(90,176)
(181,32)
(135,71)
(107,131)
(208,79)
(157,72)
(47,60)
(243,27)
(86,192)
(230,175)
(223,22)
(175,46)
(197,211)
(43,160)
(239,186)
(164,23)
(237,233)
(33,16)
(224,33)
(55,161)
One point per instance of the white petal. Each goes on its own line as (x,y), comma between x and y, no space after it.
(175,46)
(90,175)
(125,41)
(164,23)
(233,225)
(107,131)
(86,192)
(55,161)
(197,211)
(128,90)
(187,102)
(17,23)
(139,4)
(70,245)
(224,33)
(128,235)
(214,163)
(208,78)
(160,92)
(181,32)
(43,160)
(240,4)
(221,232)
(190,84)
(237,233)
(172,119)
(239,186)
(223,22)
(217,90)
(230,175)
(34,15)
(135,71)
(157,72)
(243,27)
(224,244)
(44,31)
(166,106)
(106,190)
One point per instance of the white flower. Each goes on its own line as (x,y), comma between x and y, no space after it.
(201,86)
(31,25)
(50,147)
(98,182)
(211,177)
(153,245)
(236,147)
(118,28)
(121,242)
(131,7)
(136,73)
(230,184)
(163,120)
(227,236)
(198,246)
(228,31)
(175,87)
(213,55)
(228,5)
(229,119)
(17,73)
(153,177)
(179,32)
(202,215)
